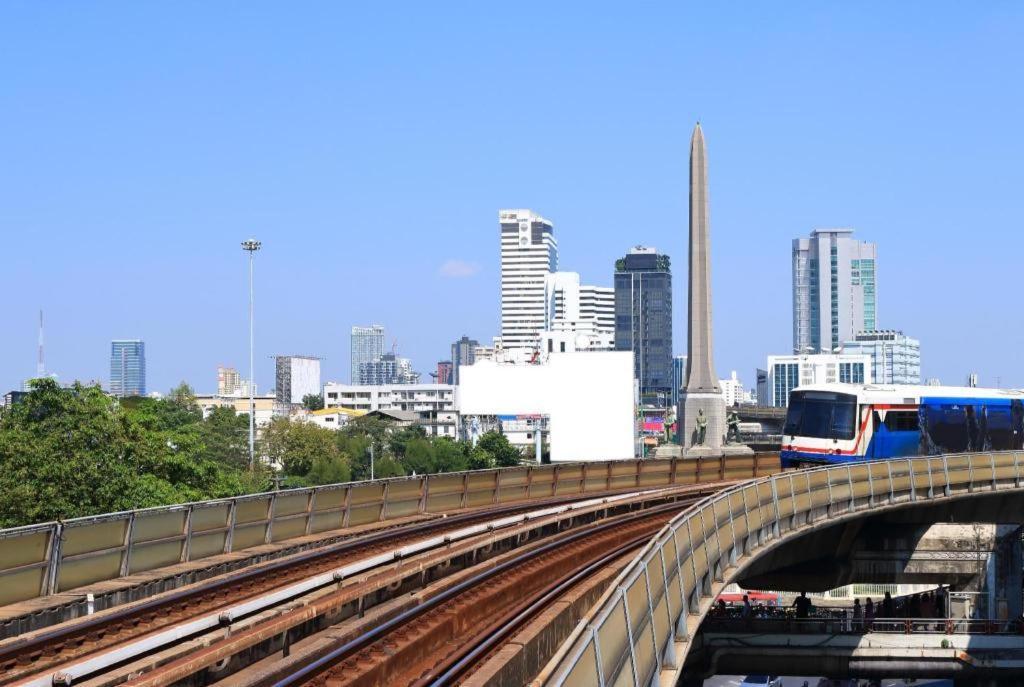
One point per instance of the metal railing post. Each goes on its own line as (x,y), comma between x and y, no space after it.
(229,536)
(126,552)
(268,537)
(310,510)
(186,545)
(51,583)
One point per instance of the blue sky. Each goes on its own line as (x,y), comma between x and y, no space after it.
(369,144)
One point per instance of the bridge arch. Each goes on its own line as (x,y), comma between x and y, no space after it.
(639,633)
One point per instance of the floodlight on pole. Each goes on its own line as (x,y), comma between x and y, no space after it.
(251,246)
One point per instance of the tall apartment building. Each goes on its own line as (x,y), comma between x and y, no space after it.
(833,290)
(529,253)
(643,320)
(127,367)
(367,346)
(387,369)
(895,357)
(787,372)
(228,381)
(296,376)
(445,372)
(463,353)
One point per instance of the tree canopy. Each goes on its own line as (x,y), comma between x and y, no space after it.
(69,452)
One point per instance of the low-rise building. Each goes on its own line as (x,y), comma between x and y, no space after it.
(787,372)
(266,408)
(329,418)
(434,404)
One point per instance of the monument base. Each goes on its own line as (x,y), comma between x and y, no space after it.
(723,451)
(713,406)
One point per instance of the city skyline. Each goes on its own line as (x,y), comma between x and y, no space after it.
(204,182)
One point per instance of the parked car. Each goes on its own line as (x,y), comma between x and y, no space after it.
(761,681)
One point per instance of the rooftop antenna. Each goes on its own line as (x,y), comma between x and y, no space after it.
(40,365)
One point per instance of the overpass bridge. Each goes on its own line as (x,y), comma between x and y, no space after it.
(475,578)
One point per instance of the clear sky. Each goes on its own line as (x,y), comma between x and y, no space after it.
(370,144)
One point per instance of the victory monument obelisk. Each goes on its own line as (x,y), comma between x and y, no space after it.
(701,412)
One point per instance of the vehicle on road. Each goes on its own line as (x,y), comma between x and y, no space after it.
(761,681)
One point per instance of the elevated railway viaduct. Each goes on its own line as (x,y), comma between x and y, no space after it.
(575,574)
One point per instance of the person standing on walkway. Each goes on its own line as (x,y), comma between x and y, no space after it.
(803,605)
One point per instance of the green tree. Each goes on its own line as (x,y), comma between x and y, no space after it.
(297,446)
(480,459)
(501,451)
(225,437)
(313,402)
(450,456)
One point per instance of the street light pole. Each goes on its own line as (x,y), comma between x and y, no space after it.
(251,246)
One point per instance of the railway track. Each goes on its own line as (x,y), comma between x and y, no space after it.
(54,647)
(235,624)
(441,640)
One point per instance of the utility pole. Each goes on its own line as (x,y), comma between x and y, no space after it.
(371,459)
(251,246)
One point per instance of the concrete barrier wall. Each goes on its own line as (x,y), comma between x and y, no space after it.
(53,557)
(639,632)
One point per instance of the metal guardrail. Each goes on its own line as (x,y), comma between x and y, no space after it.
(641,626)
(53,557)
(838,624)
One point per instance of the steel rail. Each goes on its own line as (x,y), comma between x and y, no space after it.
(327,660)
(15,648)
(458,665)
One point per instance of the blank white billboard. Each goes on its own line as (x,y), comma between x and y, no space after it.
(587,396)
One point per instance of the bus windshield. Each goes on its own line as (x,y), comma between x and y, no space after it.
(821,415)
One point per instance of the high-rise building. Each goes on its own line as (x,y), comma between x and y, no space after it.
(833,290)
(895,357)
(228,381)
(529,253)
(367,346)
(445,372)
(127,367)
(764,396)
(643,320)
(733,391)
(387,369)
(577,317)
(463,353)
(597,303)
(678,376)
(297,376)
(787,372)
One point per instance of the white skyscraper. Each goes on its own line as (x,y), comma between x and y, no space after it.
(529,253)
(833,290)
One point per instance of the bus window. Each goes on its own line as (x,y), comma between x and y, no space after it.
(947,427)
(901,421)
(821,415)
(794,415)
(844,421)
(1000,432)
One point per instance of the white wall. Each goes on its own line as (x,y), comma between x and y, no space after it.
(587,396)
(305,378)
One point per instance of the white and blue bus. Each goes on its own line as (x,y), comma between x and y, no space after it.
(839,423)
